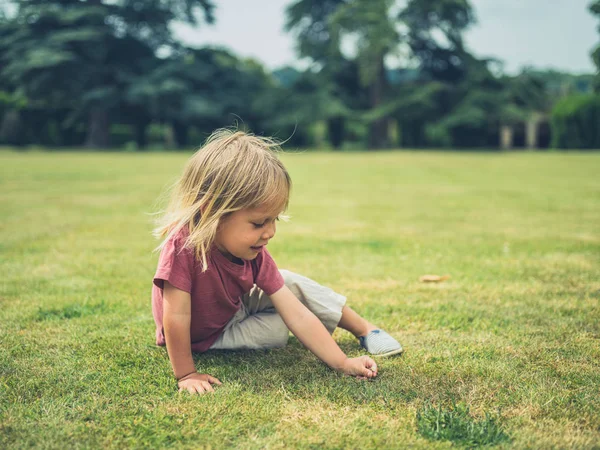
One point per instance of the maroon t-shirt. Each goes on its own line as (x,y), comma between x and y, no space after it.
(216,294)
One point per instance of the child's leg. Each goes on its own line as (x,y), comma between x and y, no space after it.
(355,324)
(258,325)
(322,301)
(250,329)
(259,331)
(326,304)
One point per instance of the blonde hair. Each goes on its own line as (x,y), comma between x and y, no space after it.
(233,170)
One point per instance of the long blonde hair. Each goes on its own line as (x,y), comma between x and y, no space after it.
(233,170)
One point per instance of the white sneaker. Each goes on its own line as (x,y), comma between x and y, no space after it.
(379,343)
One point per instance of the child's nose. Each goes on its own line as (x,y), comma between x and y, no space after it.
(269,231)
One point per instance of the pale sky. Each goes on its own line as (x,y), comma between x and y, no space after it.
(558,34)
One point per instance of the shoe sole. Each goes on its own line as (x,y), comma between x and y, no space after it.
(393,352)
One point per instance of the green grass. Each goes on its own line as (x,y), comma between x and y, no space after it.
(514,335)
(456,424)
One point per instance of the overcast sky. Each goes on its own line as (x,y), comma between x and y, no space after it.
(557,34)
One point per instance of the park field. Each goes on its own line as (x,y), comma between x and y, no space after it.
(505,353)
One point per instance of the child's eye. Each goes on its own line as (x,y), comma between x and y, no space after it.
(260,225)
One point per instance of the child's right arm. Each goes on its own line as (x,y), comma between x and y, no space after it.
(177,318)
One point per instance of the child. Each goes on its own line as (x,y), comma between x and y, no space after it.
(217,287)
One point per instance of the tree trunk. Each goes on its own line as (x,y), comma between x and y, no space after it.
(140,134)
(168,135)
(98,134)
(180,133)
(335,130)
(412,134)
(11,129)
(68,137)
(531,131)
(378,129)
(67,134)
(506,137)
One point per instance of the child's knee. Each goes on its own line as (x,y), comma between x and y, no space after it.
(292,280)
(287,276)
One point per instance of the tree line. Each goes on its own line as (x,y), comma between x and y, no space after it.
(102,73)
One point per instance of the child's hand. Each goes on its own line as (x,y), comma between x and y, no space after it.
(196,382)
(362,367)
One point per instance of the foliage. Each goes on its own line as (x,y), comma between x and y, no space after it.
(204,87)
(374,33)
(435,36)
(575,122)
(305,102)
(318,39)
(595,9)
(378,34)
(83,56)
(310,21)
(559,84)
(71,69)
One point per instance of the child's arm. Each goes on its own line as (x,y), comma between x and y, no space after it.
(177,318)
(313,334)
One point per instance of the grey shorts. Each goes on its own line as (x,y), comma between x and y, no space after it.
(258,325)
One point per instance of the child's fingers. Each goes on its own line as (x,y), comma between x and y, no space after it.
(370,364)
(213,380)
(365,373)
(373,366)
(207,387)
(198,388)
(189,389)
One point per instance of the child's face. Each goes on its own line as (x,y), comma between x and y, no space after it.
(244,233)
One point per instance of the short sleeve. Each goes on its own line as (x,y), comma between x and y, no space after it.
(268,277)
(175,265)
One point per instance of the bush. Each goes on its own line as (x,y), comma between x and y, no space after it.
(575,122)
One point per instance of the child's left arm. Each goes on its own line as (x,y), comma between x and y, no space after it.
(313,334)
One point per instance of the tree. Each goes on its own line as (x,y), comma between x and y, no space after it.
(435,37)
(310,21)
(84,55)
(595,9)
(378,33)
(301,106)
(203,87)
(376,36)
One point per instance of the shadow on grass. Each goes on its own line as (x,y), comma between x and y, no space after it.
(295,372)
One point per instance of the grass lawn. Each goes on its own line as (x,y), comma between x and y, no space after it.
(506,352)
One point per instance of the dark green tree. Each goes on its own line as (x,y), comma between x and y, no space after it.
(84,55)
(205,88)
(338,78)
(434,36)
(376,36)
(595,9)
(301,106)
(378,33)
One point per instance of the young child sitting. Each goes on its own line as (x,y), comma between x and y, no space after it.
(217,286)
